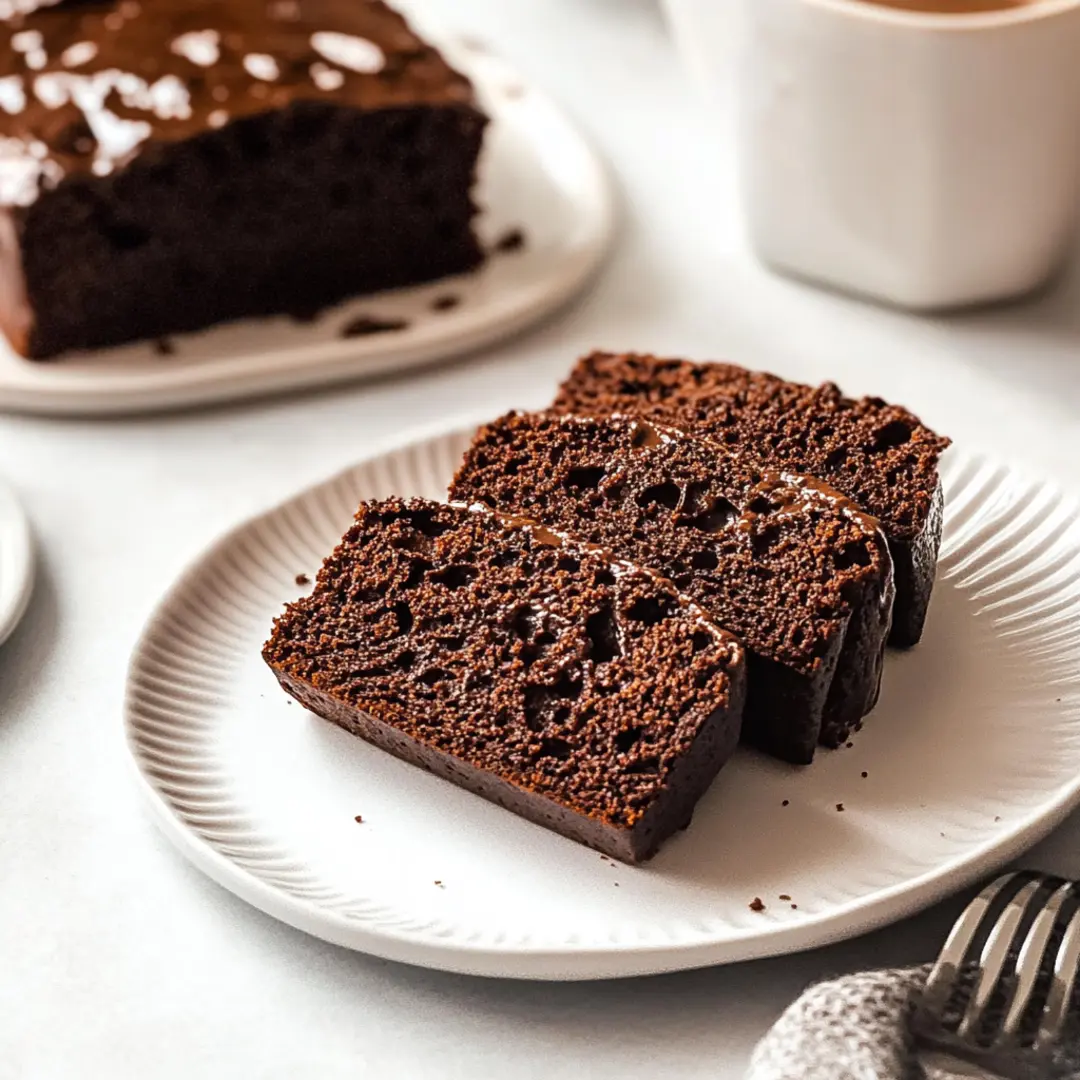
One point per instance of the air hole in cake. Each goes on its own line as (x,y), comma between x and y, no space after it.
(704,560)
(715,519)
(615,491)
(434,676)
(604,577)
(584,478)
(454,643)
(456,576)
(701,641)
(644,767)
(894,433)
(665,494)
(523,622)
(557,453)
(603,634)
(764,539)
(405,660)
(567,686)
(504,558)
(628,739)
(760,504)
(569,564)
(530,653)
(705,677)
(418,569)
(852,555)
(651,610)
(423,521)
(537,701)
(403,614)
(555,748)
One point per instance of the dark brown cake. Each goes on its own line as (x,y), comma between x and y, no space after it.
(583,694)
(789,566)
(879,455)
(170,164)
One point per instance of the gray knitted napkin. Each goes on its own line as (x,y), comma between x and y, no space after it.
(858,1027)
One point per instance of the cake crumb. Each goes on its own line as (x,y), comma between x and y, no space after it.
(794,907)
(865,775)
(445,303)
(840,807)
(757,904)
(786,802)
(359,819)
(616,884)
(849,745)
(440,884)
(510,241)
(163,346)
(303,579)
(997,817)
(784,896)
(365,325)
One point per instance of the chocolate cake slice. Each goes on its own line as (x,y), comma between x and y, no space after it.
(584,694)
(788,565)
(170,164)
(879,455)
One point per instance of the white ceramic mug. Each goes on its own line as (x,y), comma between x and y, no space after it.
(926,160)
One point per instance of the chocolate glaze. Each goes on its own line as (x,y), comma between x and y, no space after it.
(82,87)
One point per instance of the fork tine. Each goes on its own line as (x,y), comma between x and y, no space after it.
(1061,987)
(941,982)
(992,962)
(1031,961)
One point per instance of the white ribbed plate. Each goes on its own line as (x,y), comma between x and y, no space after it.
(537,174)
(16,562)
(973,754)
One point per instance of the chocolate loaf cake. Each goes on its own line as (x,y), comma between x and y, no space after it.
(586,695)
(789,566)
(170,164)
(879,455)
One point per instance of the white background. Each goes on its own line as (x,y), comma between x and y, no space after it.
(116,958)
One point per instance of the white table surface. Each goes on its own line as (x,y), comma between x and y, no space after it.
(119,960)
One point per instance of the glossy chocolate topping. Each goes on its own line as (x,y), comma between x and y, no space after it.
(84,85)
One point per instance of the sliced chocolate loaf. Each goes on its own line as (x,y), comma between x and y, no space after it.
(170,164)
(586,695)
(789,566)
(879,455)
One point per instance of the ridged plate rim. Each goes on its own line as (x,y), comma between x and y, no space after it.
(460,949)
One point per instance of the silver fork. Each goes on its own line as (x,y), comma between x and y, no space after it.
(999,994)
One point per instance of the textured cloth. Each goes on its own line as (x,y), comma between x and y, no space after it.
(858,1027)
